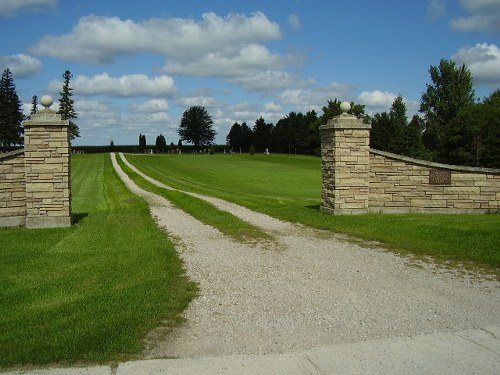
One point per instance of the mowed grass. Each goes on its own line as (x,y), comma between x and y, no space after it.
(289,188)
(89,293)
(203,211)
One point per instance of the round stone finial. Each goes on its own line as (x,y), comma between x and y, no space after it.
(46,101)
(345,107)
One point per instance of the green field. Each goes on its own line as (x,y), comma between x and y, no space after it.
(89,293)
(289,188)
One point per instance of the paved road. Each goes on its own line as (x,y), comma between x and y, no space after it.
(474,351)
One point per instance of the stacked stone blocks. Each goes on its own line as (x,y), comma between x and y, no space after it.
(402,184)
(345,165)
(43,171)
(357,179)
(12,189)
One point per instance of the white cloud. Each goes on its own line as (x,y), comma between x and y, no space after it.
(10,7)
(270,80)
(294,21)
(272,107)
(21,66)
(305,100)
(249,58)
(200,100)
(484,16)
(377,99)
(436,9)
(483,61)
(97,39)
(151,106)
(124,86)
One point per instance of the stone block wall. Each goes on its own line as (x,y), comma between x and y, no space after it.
(402,184)
(345,155)
(357,179)
(12,189)
(42,176)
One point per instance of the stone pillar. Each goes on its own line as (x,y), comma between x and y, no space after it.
(345,153)
(47,165)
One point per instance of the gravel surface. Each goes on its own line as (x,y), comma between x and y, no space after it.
(309,289)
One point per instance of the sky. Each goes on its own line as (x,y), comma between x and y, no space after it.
(138,65)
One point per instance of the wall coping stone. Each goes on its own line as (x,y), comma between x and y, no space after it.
(345,121)
(433,164)
(46,117)
(11,154)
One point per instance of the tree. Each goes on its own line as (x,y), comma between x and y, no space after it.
(387,128)
(142,143)
(66,105)
(262,134)
(491,131)
(34,104)
(331,110)
(412,144)
(161,143)
(450,92)
(11,114)
(234,138)
(196,127)
(474,135)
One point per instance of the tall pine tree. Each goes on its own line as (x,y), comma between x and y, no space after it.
(34,105)
(66,105)
(11,114)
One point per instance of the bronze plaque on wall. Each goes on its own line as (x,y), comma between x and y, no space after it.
(440,177)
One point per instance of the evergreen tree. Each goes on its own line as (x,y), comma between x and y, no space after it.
(234,138)
(380,132)
(11,114)
(474,135)
(491,131)
(66,105)
(142,143)
(412,144)
(161,143)
(34,104)
(262,134)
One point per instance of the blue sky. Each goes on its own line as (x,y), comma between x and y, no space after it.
(137,65)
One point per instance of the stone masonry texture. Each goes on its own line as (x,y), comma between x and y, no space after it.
(357,179)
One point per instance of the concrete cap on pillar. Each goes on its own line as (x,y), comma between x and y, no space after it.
(46,101)
(345,107)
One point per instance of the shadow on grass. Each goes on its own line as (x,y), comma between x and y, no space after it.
(314,207)
(79,216)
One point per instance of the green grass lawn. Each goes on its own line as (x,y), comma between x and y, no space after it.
(289,188)
(89,293)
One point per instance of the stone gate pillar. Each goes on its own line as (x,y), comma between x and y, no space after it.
(47,166)
(345,164)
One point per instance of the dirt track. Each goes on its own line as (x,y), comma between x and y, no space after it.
(308,289)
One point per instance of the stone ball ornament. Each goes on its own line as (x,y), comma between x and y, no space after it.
(46,101)
(345,107)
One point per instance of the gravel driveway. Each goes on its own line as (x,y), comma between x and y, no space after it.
(308,289)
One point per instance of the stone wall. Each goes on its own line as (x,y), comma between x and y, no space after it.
(357,179)
(402,184)
(345,167)
(36,191)
(12,189)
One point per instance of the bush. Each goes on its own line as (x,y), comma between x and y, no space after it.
(252,150)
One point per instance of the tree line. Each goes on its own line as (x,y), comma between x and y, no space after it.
(453,126)
(12,116)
